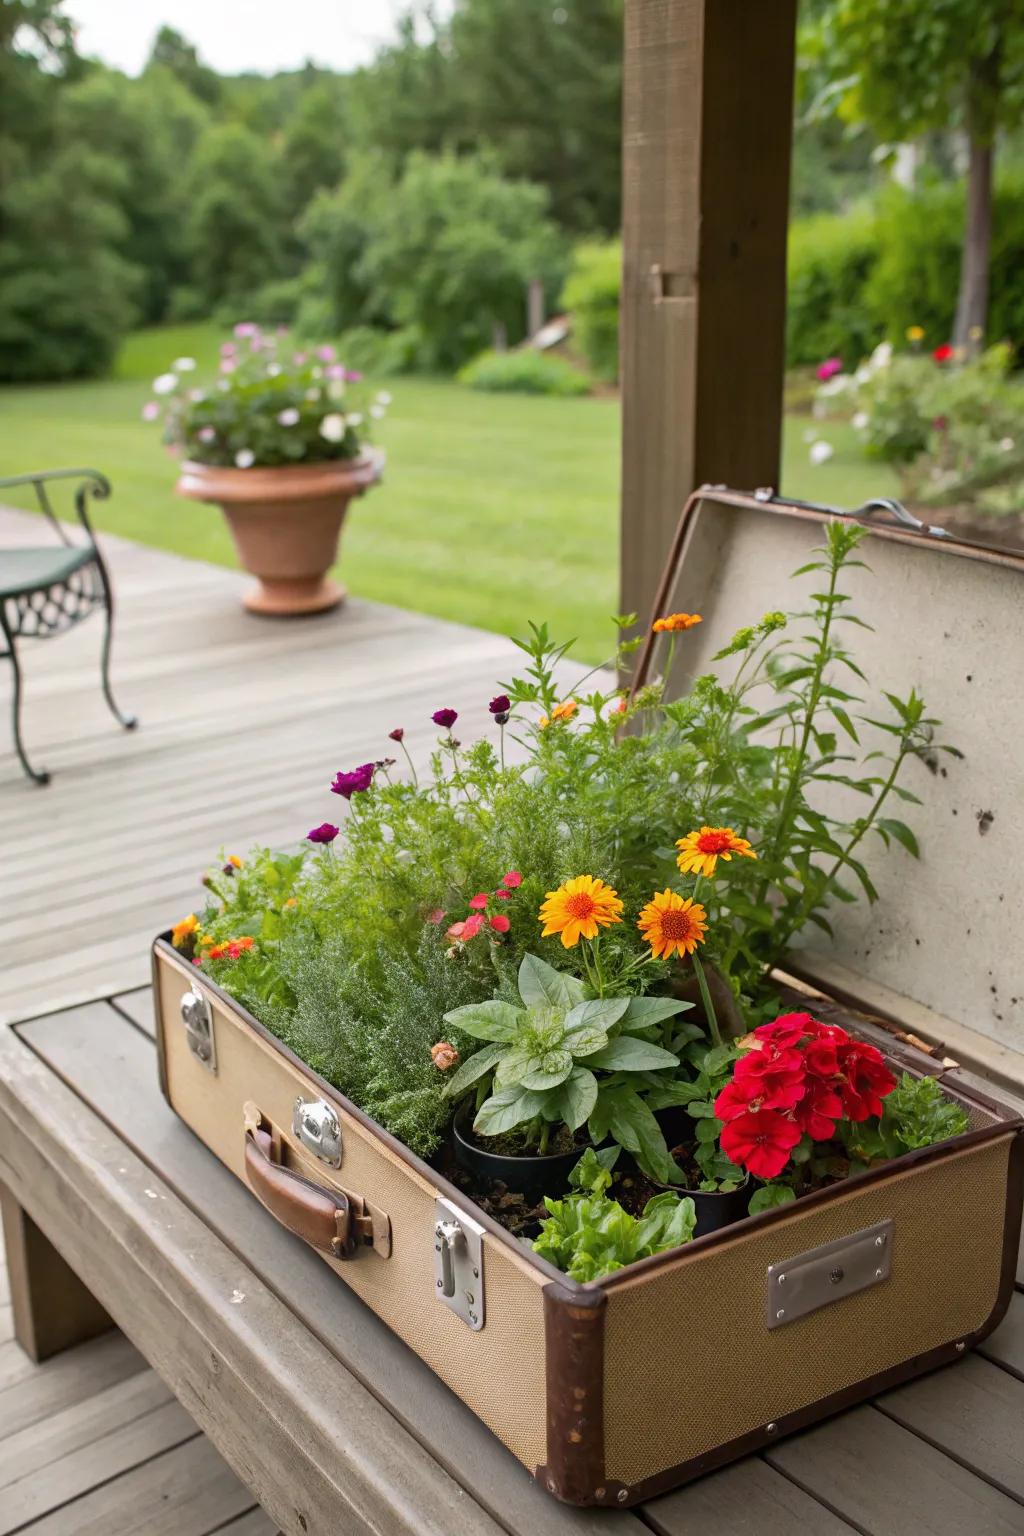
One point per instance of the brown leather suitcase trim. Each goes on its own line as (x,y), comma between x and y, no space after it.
(574,1338)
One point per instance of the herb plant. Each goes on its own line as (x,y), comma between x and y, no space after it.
(589,1235)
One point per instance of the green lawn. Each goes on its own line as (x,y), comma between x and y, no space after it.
(495,508)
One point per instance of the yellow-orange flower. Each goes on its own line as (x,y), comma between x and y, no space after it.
(672,924)
(699,852)
(183,931)
(235,860)
(563,711)
(915,333)
(673,622)
(579,908)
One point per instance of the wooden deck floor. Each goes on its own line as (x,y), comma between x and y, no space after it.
(243,724)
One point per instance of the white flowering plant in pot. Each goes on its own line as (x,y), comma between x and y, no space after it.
(270,404)
(280,441)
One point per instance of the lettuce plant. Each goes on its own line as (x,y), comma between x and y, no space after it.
(589,1235)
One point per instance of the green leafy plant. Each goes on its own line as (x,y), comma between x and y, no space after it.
(589,1235)
(713,1068)
(524,371)
(541,1063)
(916,1114)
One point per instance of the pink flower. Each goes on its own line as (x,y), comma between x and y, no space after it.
(500,923)
(299,359)
(246,328)
(227,349)
(206,434)
(829,368)
(502,895)
(335,371)
(150,411)
(512,879)
(479,902)
(352,375)
(326,354)
(436,916)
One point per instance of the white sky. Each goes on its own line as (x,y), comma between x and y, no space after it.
(236,35)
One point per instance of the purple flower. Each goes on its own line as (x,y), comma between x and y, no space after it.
(354,783)
(324,833)
(445,718)
(397,734)
(353,375)
(829,368)
(501,704)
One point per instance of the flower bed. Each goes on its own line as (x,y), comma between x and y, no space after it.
(553,976)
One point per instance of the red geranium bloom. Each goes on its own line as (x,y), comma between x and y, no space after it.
(821,1057)
(512,879)
(500,923)
(867,1081)
(479,901)
(944,353)
(736,1098)
(502,895)
(765,1062)
(787,1029)
(761,1143)
(471,927)
(818,1111)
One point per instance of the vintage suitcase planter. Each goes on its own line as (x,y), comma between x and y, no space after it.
(616,1389)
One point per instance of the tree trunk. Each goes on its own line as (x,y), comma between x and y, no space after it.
(982,112)
(972,304)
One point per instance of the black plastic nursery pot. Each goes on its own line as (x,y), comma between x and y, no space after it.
(717,1208)
(532,1176)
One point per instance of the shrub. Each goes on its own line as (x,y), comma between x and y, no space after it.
(831,258)
(380,352)
(916,277)
(591,295)
(524,372)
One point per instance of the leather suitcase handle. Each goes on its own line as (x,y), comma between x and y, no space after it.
(322,1218)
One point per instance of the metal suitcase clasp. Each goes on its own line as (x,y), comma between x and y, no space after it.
(318,1128)
(459,1262)
(197,1017)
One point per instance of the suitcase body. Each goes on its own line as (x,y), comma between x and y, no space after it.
(614,1391)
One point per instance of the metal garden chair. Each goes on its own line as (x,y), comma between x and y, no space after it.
(45,590)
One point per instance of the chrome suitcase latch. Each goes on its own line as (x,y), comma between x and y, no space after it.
(197,1017)
(822,1275)
(459,1262)
(318,1129)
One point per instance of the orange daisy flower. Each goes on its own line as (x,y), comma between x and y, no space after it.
(578,909)
(672,924)
(699,852)
(183,931)
(563,711)
(672,623)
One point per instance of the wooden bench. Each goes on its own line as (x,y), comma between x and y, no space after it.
(115,1211)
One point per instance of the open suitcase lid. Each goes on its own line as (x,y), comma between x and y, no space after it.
(940,952)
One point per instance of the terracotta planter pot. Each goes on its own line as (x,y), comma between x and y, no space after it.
(285,522)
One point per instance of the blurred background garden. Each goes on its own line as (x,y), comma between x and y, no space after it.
(446,213)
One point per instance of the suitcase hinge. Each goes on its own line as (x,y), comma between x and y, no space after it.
(459,1262)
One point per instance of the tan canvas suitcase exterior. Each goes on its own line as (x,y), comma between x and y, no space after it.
(616,1390)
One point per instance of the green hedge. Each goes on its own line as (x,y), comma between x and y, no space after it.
(831,260)
(524,372)
(591,295)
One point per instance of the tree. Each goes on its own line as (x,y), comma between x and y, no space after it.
(66,290)
(235,223)
(908,67)
(175,53)
(312,153)
(452,251)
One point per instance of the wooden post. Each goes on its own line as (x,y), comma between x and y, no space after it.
(708,111)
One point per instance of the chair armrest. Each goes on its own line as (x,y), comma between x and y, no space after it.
(90,484)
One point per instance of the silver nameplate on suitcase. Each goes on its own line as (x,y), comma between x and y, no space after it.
(830,1273)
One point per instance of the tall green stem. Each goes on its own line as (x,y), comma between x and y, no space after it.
(705,997)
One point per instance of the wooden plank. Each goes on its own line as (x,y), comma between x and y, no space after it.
(255,1523)
(138,1006)
(33,1393)
(974,1412)
(316,1449)
(120,1083)
(75,1469)
(749,1499)
(1005,1347)
(51,1308)
(884,1480)
(706,148)
(188,1491)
